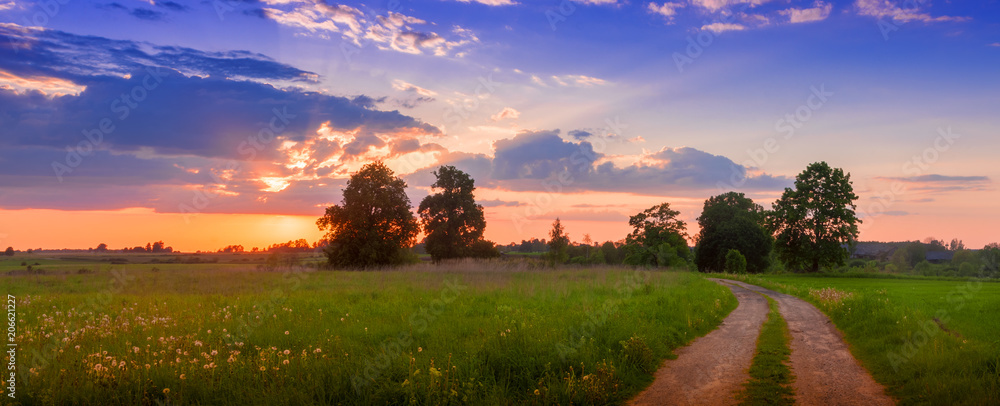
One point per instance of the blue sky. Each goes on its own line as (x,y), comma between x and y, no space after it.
(640,102)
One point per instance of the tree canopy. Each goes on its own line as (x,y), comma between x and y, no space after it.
(731,221)
(454,223)
(813,222)
(558,244)
(657,238)
(373,226)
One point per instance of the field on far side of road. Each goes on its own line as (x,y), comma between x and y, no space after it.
(927,341)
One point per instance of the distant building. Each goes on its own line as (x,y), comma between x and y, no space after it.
(873,250)
(939,257)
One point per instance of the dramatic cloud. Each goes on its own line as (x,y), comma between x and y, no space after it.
(386,30)
(544,161)
(123,124)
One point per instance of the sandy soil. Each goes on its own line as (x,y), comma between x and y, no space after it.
(712,369)
(825,371)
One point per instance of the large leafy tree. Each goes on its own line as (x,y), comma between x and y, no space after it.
(814,222)
(454,223)
(373,226)
(558,244)
(657,238)
(732,221)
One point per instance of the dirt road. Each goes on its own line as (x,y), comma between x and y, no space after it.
(825,371)
(711,369)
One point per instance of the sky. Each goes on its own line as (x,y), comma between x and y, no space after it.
(217,122)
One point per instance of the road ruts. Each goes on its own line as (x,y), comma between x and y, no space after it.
(825,371)
(713,368)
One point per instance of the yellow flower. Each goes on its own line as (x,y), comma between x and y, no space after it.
(286,332)
(536,392)
(420,349)
(183,377)
(166,391)
(262,368)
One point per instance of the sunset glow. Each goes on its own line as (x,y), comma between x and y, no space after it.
(205,127)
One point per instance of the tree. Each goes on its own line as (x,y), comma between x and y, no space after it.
(102,247)
(956,245)
(373,226)
(731,221)
(657,238)
(558,243)
(735,262)
(454,223)
(813,222)
(9,252)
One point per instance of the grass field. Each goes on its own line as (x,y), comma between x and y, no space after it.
(928,341)
(229,333)
(770,379)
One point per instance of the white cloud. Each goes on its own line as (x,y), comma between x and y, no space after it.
(491,2)
(578,81)
(995,44)
(507,112)
(819,12)
(719,28)
(403,86)
(716,5)
(887,9)
(392,31)
(667,10)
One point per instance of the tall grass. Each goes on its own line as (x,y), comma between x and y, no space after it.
(928,342)
(483,333)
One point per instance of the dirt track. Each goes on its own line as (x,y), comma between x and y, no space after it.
(825,371)
(713,368)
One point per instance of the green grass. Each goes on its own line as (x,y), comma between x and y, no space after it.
(770,380)
(894,328)
(492,333)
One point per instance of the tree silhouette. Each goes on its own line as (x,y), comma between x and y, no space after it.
(731,221)
(558,243)
(374,225)
(454,223)
(814,221)
(657,238)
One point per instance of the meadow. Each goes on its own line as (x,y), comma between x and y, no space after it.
(928,340)
(225,331)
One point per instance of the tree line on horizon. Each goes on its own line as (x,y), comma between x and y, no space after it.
(811,226)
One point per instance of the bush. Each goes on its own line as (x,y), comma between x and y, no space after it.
(966,270)
(891,268)
(924,268)
(735,262)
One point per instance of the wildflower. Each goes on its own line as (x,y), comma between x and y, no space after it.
(262,368)
(178,360)
(317,351)
(183,377)
(166,391)
(420,349)
(285,362)
(287,352)
(205,366)
(286,332)
(214,352)
(536,392)
(197,343)
(209,331)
